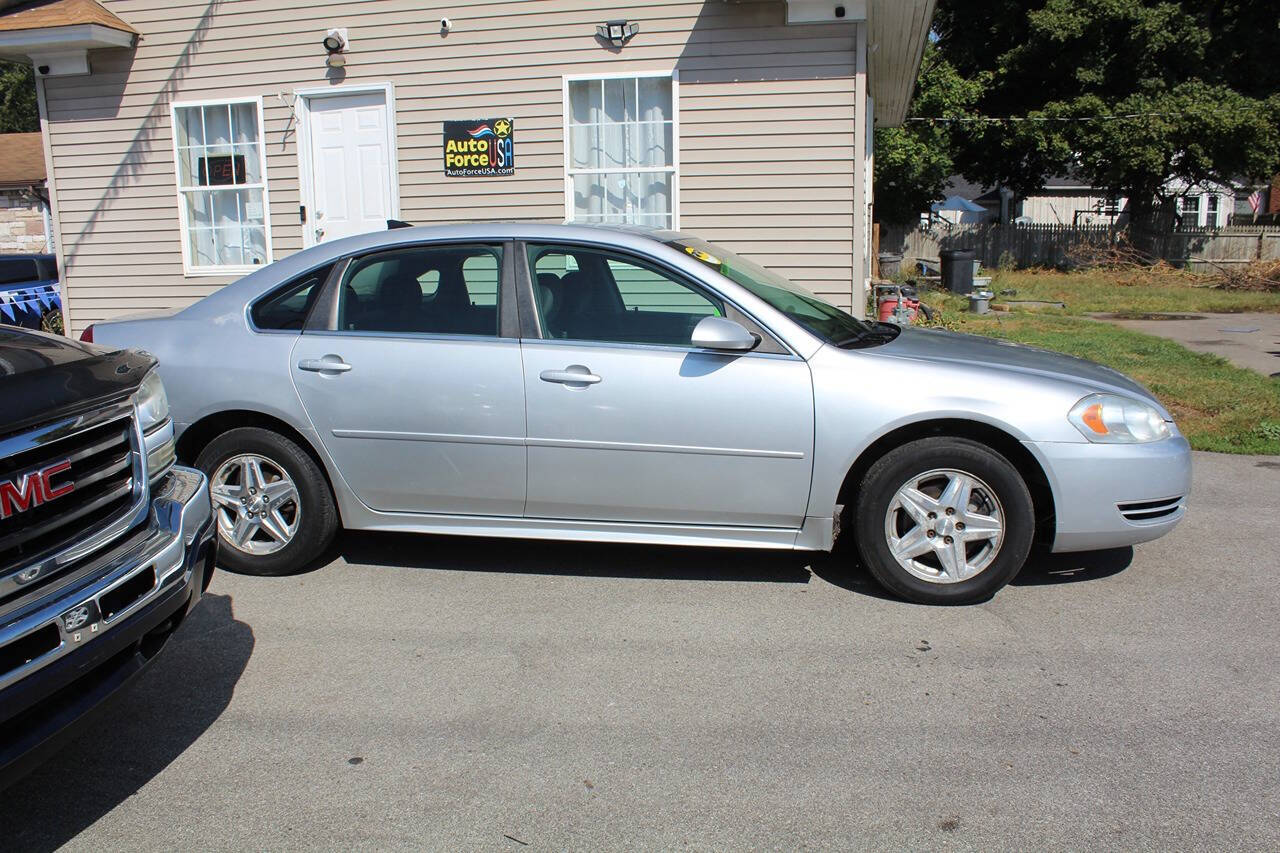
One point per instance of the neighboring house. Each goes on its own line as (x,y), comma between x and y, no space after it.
(24,208)
(192,143)
(1065,200)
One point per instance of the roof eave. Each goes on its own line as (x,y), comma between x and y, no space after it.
(61,51)
(897,31)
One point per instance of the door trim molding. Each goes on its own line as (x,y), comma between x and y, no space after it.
(302,118)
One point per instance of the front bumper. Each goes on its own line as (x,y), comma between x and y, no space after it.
(1113,495)
(64,653)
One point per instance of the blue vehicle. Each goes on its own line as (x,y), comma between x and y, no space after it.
(30,295)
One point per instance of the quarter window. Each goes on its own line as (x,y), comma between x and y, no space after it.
(222,186)
(287,307)
(436,290)
(621,135)
(588,295)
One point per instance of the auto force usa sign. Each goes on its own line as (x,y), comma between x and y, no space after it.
(483,148)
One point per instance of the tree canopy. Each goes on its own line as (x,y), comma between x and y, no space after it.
(1125,94)
(18,112)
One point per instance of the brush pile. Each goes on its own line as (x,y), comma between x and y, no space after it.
(1138,267)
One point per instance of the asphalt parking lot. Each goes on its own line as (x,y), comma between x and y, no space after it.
(431,693)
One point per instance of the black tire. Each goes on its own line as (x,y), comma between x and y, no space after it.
(318,516)
(900,465)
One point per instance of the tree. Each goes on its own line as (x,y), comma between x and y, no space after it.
(913,162)
(18,111)
(1126,94)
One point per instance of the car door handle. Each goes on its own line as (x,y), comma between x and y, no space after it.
(574,374)
(328,364)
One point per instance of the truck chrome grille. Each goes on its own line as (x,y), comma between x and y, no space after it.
(66,490)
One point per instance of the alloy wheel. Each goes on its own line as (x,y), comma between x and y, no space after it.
(944,526)
(257,504)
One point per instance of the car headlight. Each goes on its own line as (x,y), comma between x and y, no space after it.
(153,402)
(1112,419)
(157,427)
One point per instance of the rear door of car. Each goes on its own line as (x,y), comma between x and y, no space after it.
(628,422)
(412,377)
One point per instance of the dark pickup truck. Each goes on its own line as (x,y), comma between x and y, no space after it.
(105,544)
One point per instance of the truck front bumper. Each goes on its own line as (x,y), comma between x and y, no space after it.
(63,654)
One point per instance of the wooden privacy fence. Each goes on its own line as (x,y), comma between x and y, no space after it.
(1197,249)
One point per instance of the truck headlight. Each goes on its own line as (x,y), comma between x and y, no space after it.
(157,426)
(1112,419)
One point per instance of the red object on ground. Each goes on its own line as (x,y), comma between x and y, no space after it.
(889,303)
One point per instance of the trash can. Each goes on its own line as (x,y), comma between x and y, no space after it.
(890,264)
(957,269)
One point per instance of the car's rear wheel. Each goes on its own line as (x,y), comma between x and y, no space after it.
(273,507)
(944,521)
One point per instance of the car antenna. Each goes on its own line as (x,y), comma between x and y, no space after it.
(396,223)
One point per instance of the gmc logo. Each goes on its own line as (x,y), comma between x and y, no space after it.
(34,488)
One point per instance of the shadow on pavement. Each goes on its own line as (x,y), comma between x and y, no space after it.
(138,733)
(578,559)
(841,568)
(1044,569)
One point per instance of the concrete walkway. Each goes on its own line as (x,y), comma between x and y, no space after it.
(1248,340)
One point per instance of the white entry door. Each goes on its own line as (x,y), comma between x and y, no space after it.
(351,166)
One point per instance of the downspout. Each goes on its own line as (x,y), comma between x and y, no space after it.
(51,209)
(37,191)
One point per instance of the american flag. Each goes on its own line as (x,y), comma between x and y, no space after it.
(1255,201)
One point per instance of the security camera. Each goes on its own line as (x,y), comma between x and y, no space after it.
(445,25)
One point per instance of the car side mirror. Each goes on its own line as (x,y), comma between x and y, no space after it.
(721,333)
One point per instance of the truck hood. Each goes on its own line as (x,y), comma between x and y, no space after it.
(939,345)
(45,377)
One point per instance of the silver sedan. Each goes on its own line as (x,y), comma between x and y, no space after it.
(622,385)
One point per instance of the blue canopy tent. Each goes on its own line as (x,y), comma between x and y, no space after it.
(957,203)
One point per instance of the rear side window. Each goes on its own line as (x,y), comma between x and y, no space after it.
(287,307)
(17,271)
(432,290)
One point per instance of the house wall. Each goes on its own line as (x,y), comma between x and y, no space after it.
(1061,208)
(766,139)
(21,222)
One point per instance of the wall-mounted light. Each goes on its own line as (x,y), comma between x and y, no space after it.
(617,33)
(335,44)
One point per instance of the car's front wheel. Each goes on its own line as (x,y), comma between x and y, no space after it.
(273,507)
(944,521)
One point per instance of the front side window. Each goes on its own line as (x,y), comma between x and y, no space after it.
(222,186)
(436,290)
(590,295)
(621,134)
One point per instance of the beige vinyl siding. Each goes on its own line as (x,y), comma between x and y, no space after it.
(766,134)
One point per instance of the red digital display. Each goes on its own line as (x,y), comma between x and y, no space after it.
(221,171)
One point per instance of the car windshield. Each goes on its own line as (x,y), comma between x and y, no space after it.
(823,319)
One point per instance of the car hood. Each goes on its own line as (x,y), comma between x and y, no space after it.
(938,345)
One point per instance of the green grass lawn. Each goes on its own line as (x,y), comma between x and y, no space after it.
(1217,405)
(1121,292)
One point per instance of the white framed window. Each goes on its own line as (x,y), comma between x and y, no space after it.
(221,167)
(622,148)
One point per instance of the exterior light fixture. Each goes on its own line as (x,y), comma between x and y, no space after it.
(335,44)
(617,33)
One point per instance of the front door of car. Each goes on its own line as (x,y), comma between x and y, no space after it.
(412,387)
(627,422)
